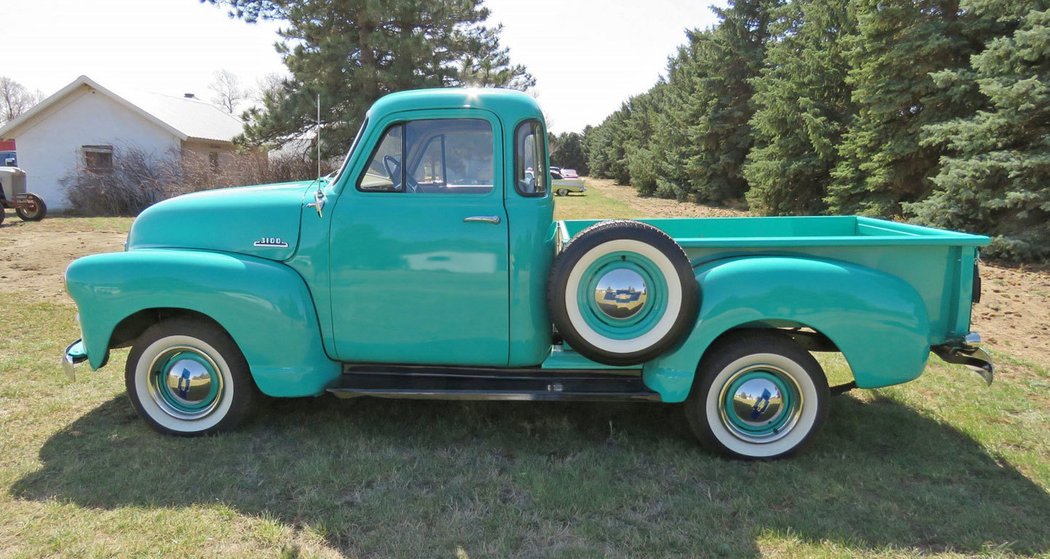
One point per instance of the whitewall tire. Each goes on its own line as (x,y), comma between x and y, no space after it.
(757,395)
(622,292)
(186,376)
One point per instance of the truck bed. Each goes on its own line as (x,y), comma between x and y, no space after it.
(938,264)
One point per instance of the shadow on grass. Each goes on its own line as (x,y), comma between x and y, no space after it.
(405,477)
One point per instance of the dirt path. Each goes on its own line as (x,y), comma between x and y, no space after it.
(1013,315)
(35,255)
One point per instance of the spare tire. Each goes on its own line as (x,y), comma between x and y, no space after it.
(622,292)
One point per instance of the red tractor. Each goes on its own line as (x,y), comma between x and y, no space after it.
(27,205)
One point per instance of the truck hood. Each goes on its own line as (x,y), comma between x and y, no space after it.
(260,221)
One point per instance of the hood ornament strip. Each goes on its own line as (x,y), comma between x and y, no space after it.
(318,202)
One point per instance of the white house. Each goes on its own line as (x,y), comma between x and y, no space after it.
(82,125)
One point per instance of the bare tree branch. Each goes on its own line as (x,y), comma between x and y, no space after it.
(228,91)
(15,99)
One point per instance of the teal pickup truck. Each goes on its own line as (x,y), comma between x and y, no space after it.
(430,266)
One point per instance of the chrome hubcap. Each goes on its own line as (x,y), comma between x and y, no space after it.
(621,293)
(760,403)
(189,382)
(185,383)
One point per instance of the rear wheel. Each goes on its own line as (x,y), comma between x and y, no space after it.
(186,376)
(32,208)
(757,395)
(561,192)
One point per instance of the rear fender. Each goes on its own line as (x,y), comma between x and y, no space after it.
(265,307)
(876,320)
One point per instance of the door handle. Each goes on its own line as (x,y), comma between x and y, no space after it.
(493,219)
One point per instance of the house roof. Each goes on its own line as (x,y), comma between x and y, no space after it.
(185,118)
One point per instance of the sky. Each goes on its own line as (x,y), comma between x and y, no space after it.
(588,56)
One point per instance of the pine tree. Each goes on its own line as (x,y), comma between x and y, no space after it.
(567,151)
(996,176)
(604,145)
(351,52)
(898,45)
(639,146)
(709,105)
(802,108)
(672,144)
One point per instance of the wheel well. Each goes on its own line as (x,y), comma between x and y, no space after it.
(808,338)
(128,330)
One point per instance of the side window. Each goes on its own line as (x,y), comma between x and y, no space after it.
(383,173)
(444,156)
(430,171)
(530,175)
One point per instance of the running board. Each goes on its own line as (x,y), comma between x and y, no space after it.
(470,383)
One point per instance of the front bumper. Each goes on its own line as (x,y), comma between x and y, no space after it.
(968,352)
(75,353)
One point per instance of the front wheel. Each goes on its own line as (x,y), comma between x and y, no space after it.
(187,377)
(757,396)
(32,208)
(561,192)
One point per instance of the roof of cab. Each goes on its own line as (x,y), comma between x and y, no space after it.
(509,104)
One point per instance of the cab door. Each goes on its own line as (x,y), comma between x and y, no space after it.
(419,245)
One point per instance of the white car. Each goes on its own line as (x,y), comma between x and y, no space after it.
(563,185)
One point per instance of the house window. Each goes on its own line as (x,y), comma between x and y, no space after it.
(213,158)
(98,159)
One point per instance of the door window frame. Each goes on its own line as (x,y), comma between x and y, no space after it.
(540,133)
(378,133)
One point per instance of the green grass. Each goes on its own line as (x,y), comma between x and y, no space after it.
(942,465)
(589,205)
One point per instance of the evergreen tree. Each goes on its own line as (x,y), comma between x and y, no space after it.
(709,105)
(352,52)
(604,145)
(802,108)
(996,176)
(640,149)
(898,45)
(567,151)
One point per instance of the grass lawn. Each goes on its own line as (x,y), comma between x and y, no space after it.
(939,466)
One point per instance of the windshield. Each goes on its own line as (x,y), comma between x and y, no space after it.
(346,160)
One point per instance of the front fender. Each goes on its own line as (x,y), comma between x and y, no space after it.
(876,320)
(265,306)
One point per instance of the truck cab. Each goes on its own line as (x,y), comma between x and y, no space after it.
(429,266)
(452,197)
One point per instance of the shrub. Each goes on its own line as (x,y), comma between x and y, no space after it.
(137,180)
(140,178)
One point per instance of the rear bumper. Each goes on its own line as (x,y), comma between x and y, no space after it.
(968,352)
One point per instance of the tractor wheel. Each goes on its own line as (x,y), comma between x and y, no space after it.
(32,208)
